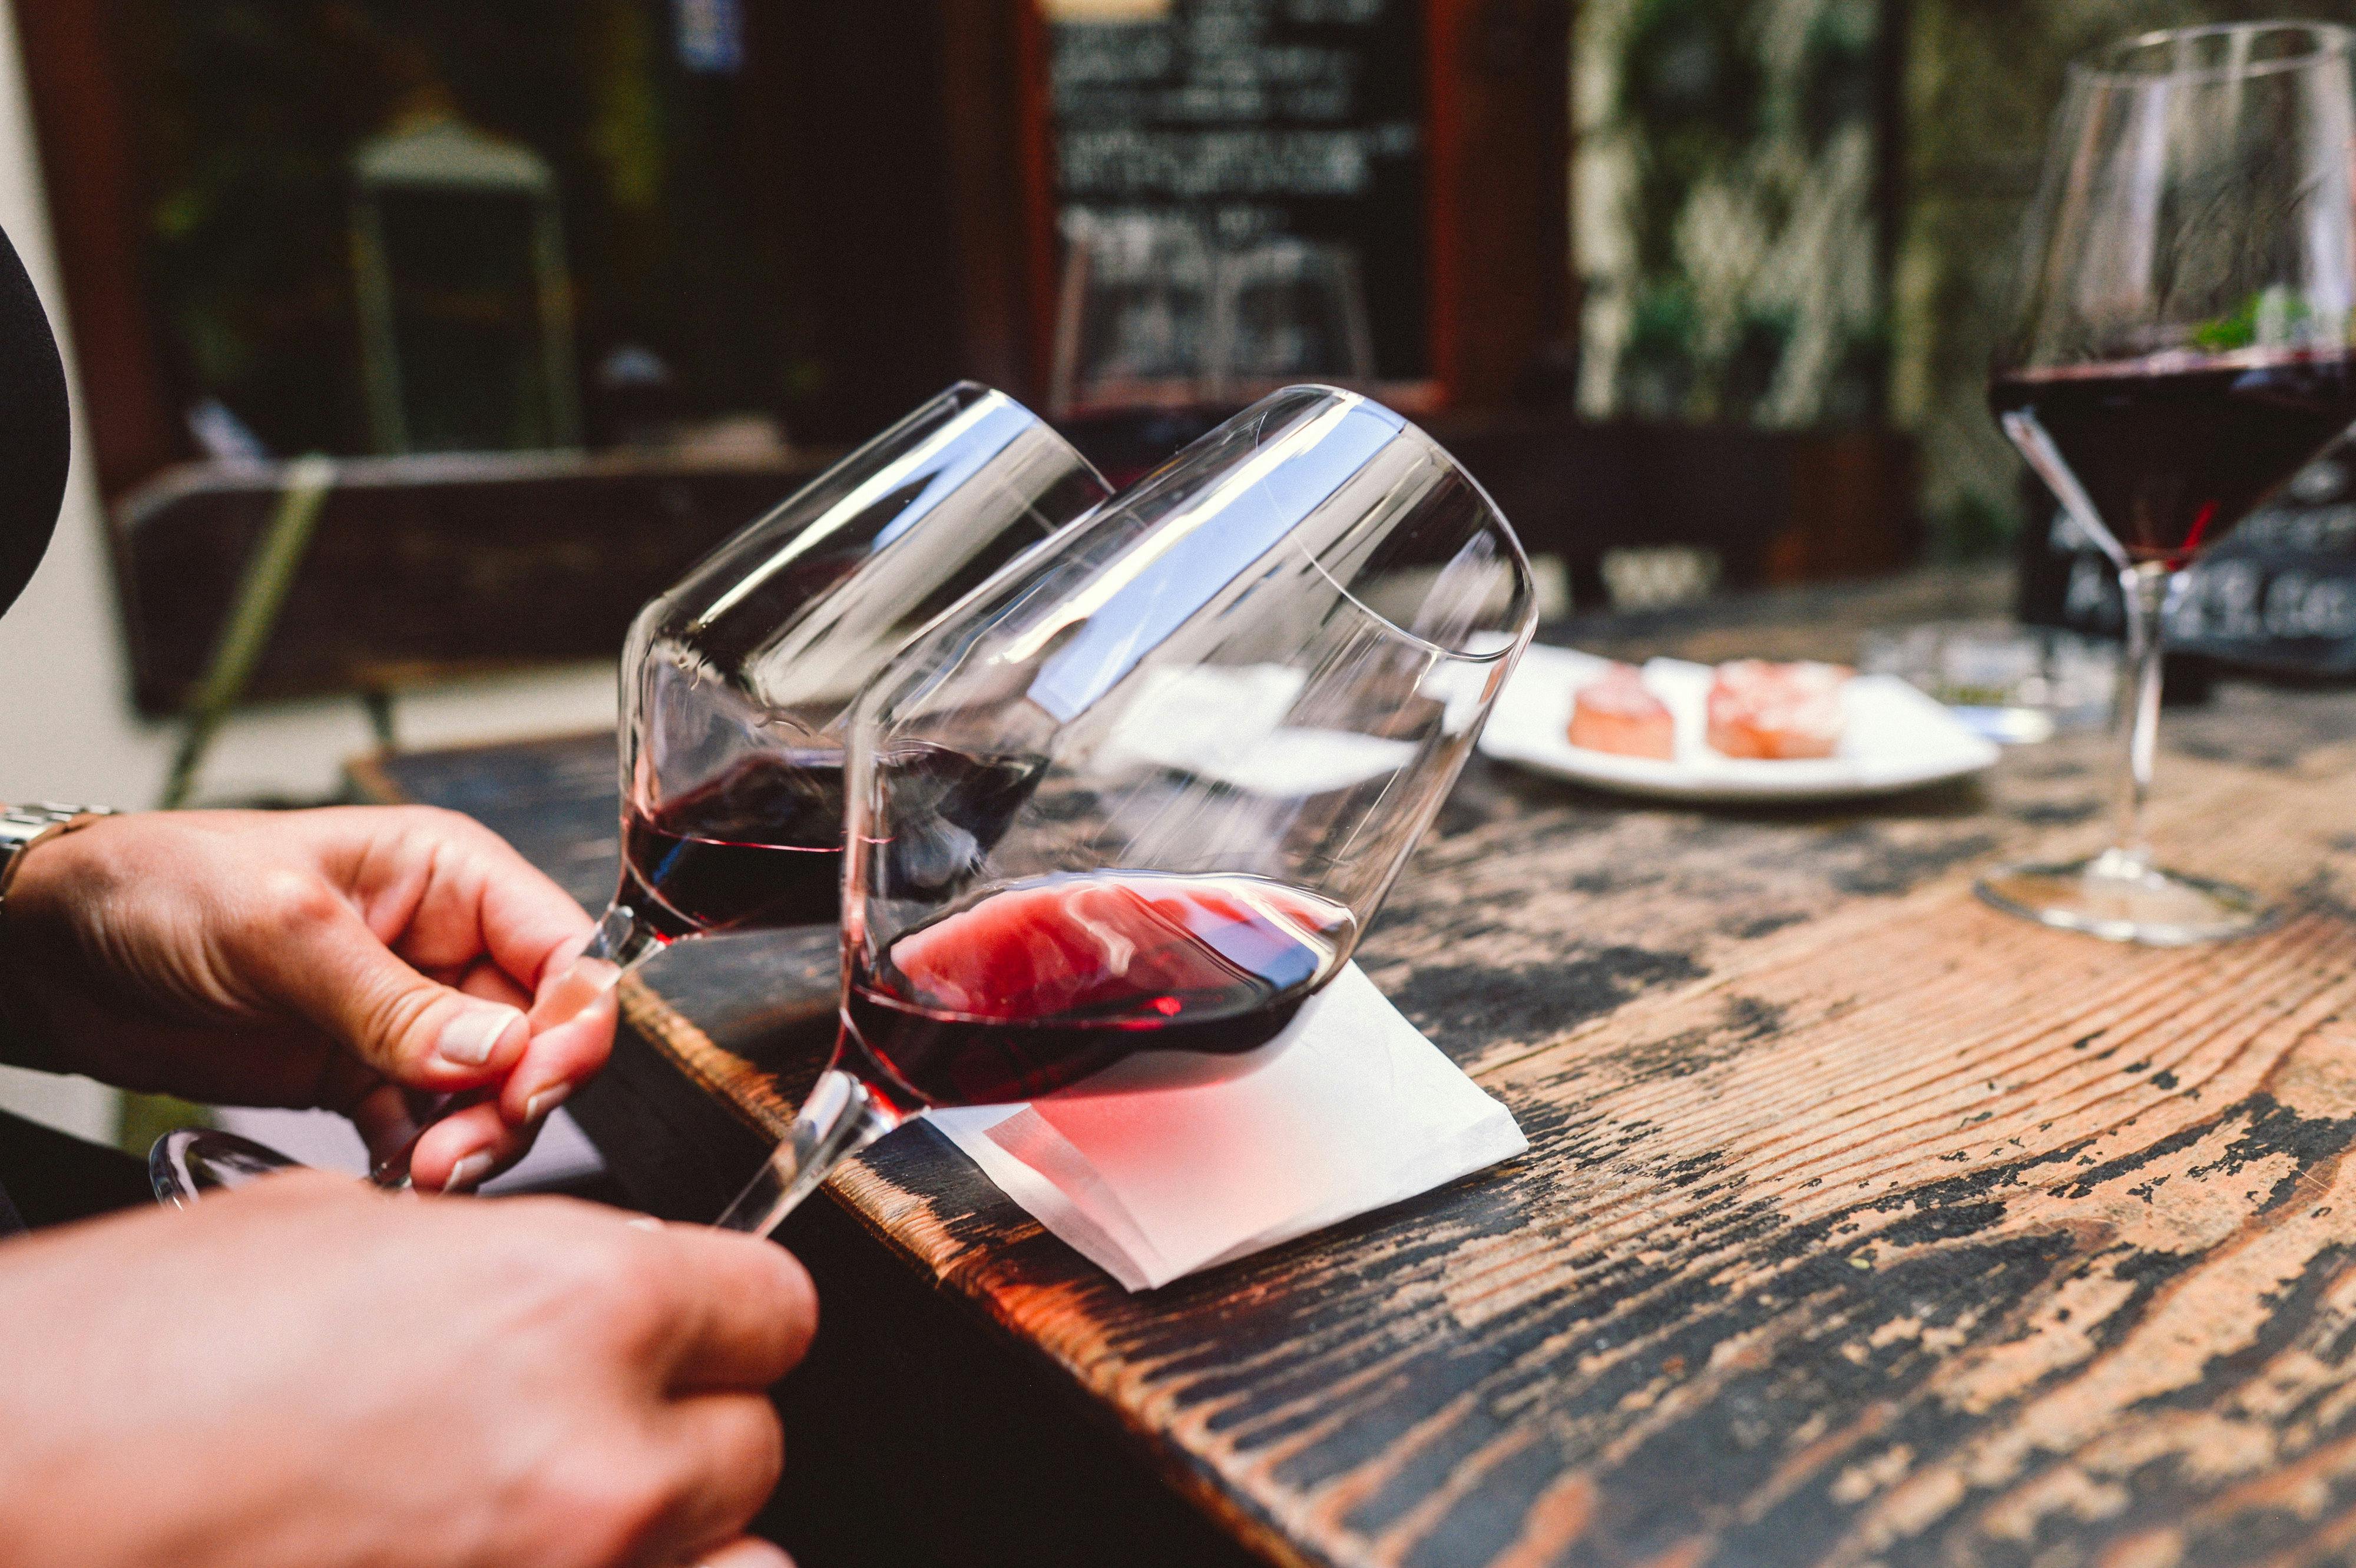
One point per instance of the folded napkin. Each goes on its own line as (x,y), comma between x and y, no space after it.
(1352,1109)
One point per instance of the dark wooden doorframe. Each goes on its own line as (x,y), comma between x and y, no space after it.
(75,81)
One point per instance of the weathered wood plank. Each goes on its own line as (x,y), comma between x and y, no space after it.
(1861,1225)
(1876,1245)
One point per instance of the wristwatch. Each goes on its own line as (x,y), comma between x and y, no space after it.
(22,827)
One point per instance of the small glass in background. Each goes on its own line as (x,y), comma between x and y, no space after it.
(1157,312)
(1132,325)
(2013,684)
(1288,309)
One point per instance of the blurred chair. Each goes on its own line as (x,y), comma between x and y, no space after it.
(1671,510)
(1659,576)
(251,582)
(450,228)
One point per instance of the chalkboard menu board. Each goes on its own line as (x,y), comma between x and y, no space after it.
(1253,121)
(2278,593)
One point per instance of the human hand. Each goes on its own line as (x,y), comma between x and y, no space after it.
(352,958)
(305,1374)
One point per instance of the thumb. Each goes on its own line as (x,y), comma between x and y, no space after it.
(330,968)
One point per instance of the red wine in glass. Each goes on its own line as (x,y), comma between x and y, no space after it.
(1035,984)
(759,846)
(2172,456)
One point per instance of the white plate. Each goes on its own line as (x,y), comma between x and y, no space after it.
(1897,738)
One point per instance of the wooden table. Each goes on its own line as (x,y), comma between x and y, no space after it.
(1861,1224)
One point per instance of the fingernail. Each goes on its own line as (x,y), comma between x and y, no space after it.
(546,1100)
(644,1222)
(470,1037)
(467,1172)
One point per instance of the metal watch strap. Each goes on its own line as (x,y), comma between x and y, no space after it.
(22,827)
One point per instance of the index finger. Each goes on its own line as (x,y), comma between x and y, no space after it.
(529,925)
(746,1314)
(443,890)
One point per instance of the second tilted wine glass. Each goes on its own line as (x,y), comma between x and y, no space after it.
(735,682)
(1116,818)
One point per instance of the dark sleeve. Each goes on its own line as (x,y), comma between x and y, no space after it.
(49,1177)
(39,443)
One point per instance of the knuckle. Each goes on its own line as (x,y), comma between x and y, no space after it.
(295,904)
(609,1498)
(759,1457)
(575,1300)
(797,1315)
(615,1287)
(439,819)
(393,1016)
(440,824)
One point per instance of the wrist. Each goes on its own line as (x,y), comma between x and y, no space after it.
(28,835)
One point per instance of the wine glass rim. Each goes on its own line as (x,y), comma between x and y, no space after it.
(964,384)
(2331,39)
(1498,524)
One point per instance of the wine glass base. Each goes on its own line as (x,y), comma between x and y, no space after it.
(185,1165)
(2124,898)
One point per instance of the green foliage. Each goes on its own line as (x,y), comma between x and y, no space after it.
(1974,527)
(1837,84)
(2271,316)
(1691,87)
(1733,125)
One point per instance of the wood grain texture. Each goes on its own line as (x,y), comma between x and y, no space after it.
(1860,1226)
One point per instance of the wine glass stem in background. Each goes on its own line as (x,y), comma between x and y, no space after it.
(2145,588)
(840,1117)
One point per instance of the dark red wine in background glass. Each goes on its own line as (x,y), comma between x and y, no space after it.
(759,846)
(2173,457)
(1035,984)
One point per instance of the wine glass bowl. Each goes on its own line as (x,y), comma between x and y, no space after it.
(1201,732)
(2180,347)
(735,682)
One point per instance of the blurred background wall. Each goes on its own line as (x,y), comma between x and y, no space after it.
(69,729)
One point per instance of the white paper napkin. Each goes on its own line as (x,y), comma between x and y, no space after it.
(1352,1109)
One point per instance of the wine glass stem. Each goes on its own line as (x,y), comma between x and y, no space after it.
(840,1117)
(2146,587)
(622,942)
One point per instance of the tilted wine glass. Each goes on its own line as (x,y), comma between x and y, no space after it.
(2182,346)
(1112,820)
(735,682)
